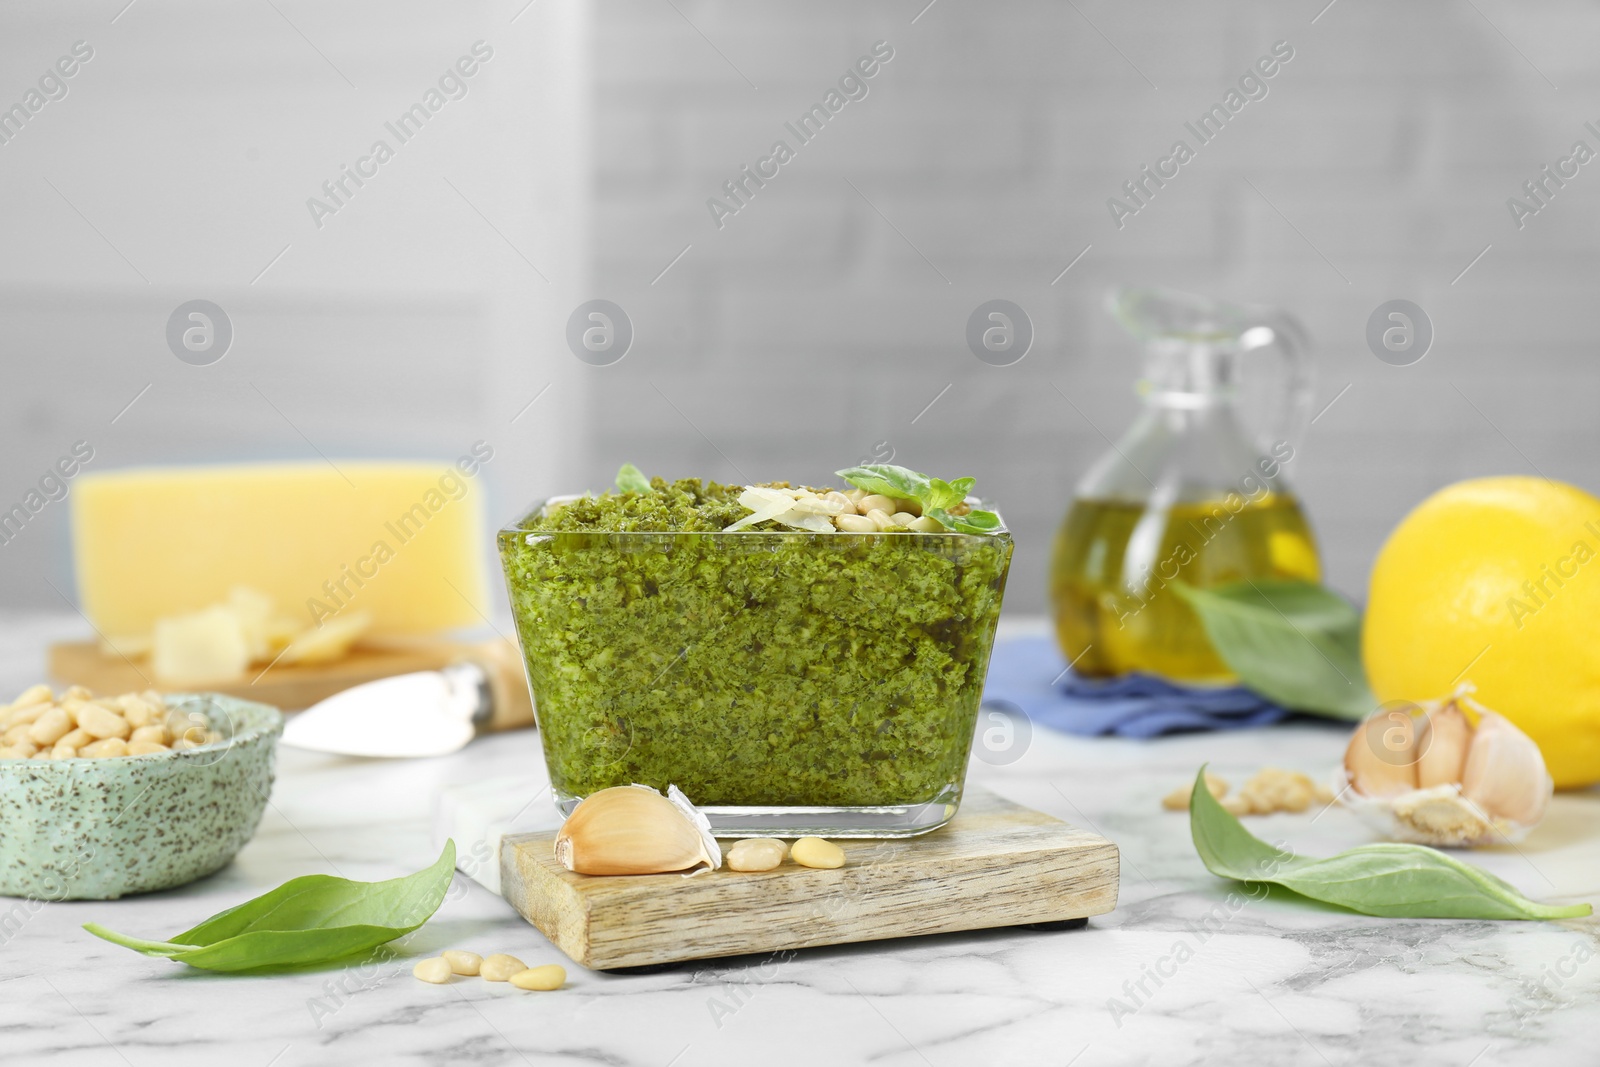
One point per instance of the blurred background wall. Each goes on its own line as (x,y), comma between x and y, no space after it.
(419,317)
(824,322)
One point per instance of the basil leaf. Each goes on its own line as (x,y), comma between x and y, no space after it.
(889,480)
(973,522)
(630,480)
(941,494)
(1389,880)
(306,921)
(1296,643)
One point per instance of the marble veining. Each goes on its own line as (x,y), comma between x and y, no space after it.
(1187,970)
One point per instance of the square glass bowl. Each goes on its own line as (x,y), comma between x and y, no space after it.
(789,683)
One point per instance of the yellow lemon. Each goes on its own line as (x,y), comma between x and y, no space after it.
(1496,581)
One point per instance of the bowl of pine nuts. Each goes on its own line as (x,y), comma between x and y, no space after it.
(105,796)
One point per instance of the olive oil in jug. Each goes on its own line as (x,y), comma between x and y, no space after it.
(1183,497)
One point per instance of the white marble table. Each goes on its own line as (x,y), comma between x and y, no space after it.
(1241,981)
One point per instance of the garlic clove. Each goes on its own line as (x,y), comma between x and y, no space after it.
(1381,758)
(1474,785)
(1444,748)
(632,829)
(1505,772)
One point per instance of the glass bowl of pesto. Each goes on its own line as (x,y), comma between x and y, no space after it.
(789,680)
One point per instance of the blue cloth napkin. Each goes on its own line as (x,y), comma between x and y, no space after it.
(1028,674)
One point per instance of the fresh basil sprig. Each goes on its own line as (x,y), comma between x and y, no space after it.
(935,495)
(1296,643)
(1391,880)
(312,920)
(631,480)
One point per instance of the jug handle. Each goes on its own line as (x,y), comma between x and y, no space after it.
(1282,333)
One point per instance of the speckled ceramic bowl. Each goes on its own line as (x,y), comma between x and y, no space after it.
(98,829)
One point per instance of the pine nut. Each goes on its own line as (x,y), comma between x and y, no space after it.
(815,852)
(756,854)
(76,739)
(500,967)
(29,714)
(7,752)
(466,963)
(146,748)
(155,732)
(848,523)
(34,694)
(76,692)
(434,970)
(102,722)
(15,733)
(908,505)
(903,518)
(550,976)
(189,726)
(926,524)
(50,727)
(883,503)
(844,502)
(63,752)
(111,746)
(854,496)
(880,518)
(137,710)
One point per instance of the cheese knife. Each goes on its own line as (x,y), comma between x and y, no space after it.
(425,713)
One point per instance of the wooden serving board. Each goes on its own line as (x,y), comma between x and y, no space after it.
(291,688)
(995,864)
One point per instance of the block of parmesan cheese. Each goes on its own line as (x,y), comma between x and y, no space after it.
(403,541)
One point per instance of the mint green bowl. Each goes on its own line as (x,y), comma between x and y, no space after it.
(98,829)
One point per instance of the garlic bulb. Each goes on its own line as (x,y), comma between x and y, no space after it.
(632,829)
(1449,773)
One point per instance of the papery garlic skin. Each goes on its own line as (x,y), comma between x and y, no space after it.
(1475,784)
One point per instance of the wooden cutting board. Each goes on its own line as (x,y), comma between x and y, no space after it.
(995,864)
(293,688)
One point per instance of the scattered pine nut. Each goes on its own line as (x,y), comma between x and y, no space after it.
(435,970)
(550,976)
(756,854)
(1178,799)
(500,967)
(815,852)
(463,963)
(1269,790)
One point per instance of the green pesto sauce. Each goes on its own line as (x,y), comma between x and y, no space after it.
(752,668)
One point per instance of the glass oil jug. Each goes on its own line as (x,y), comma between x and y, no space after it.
(1186,495)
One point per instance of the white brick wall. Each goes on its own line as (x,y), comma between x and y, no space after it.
(991,141)
(807,329)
